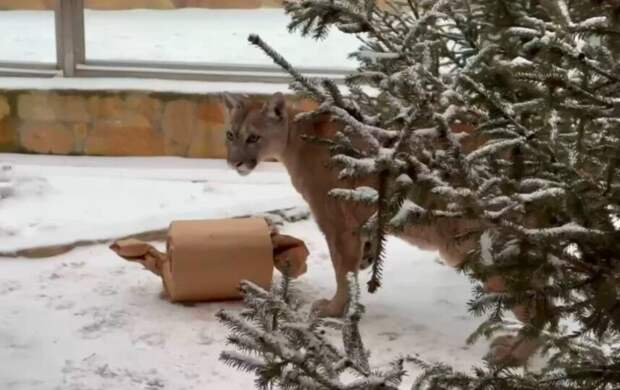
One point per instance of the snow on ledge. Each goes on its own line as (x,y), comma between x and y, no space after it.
(149,85)
(137,84)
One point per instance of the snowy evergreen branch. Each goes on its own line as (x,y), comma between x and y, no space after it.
(296,351)
(280,61)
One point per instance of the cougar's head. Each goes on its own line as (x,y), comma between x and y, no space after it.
(256,132)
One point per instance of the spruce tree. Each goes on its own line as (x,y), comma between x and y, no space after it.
(505,113)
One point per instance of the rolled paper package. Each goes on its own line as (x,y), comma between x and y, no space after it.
(207,259)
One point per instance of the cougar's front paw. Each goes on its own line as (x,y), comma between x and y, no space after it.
(512,351)
(367,256)
(366,262)
(327,308)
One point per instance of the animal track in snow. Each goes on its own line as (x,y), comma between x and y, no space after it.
(103,320)
(154,339)
(94,373)
(391,336)
(105,290)
(8,286)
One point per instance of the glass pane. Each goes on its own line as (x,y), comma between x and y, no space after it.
(27,35)
(202,35)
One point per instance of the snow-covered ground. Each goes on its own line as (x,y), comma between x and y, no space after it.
(89,320)
(61,200)
(183,35)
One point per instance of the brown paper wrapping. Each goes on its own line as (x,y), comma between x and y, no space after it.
(289,254)
(207,259)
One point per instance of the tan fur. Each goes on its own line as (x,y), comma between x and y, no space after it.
(307,165)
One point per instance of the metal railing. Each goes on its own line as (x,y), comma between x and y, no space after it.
(71,60)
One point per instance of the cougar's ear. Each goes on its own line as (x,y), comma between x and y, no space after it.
(232,102)
(275,108)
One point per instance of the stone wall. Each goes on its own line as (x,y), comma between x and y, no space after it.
(150,4)
(114,124)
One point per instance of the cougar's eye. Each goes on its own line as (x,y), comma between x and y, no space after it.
(229,135)
(252,139)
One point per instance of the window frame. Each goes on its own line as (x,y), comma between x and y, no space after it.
(71,60)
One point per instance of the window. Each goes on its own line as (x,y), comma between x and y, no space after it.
(27,38)
(174,39)
(201,35)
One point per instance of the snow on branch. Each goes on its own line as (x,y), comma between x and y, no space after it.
(493,148)
(408,212)
(559,12)
(376,56)
(544,194)
(354,167)
(592,24)
(366,195)
(367,132)
(571,231)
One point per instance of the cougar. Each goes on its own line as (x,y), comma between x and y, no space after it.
(268,131)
